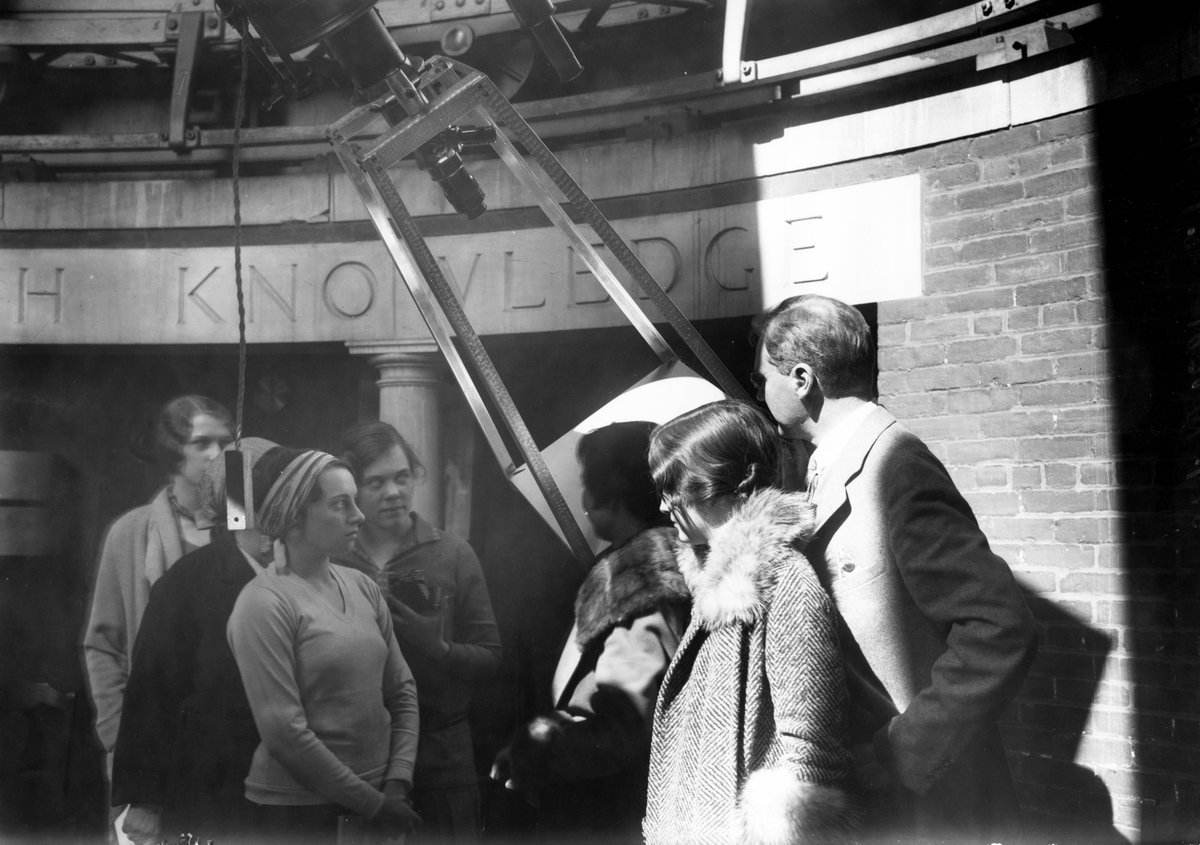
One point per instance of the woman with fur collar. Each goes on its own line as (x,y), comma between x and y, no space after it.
(586,762)
(748,743)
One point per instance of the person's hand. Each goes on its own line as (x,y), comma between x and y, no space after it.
(143,823)
(502,772)
(397,814)
(420,633)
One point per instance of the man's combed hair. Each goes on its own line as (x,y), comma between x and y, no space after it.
(722,448)
(366,442)
(827,334)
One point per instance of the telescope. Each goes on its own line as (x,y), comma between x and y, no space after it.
(431,111)
(353,34)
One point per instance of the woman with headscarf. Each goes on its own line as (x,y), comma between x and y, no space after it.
(334,701)
(187,734)
(748,743)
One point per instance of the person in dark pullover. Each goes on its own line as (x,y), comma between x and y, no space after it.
(443,620)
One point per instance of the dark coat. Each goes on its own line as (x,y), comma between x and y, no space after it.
(187,735)
(937,635)
(749,734)
(589,758)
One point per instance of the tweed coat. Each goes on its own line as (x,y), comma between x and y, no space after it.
(937,636)
(748,741)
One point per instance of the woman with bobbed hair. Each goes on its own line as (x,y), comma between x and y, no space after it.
(142,544)
(748,742)
(334,702)
(586,761)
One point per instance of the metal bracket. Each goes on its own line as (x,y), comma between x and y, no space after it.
(455,93)
(187,29)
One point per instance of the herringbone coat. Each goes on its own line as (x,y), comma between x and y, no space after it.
(748,742)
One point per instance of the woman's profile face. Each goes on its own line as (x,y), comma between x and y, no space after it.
(331,522)
(696,522)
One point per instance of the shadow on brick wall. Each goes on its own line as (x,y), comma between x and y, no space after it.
(1063,802)
(1148,148)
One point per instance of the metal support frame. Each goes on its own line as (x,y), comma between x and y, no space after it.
(190,27)
(455,93)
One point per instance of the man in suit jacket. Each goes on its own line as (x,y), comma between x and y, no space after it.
(937,635)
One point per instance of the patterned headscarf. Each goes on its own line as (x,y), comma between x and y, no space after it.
(285,500)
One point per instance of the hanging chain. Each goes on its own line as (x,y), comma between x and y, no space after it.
(237,233)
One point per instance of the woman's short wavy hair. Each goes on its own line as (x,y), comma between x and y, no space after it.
(174,427)
(724,448)
(614,469)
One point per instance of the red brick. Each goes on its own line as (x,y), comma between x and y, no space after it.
(1028,215)
(1057,394)
(944,378)
(1034,161)
(991,477)
(1065,235)
(1091,311)
(941,205)
(891,384)
(1060,474)
(980,300)
(1096,473)
(1005,142)
(916,404)
(1024,318)
(982,349)
(992,196)
(988,324)
(941,256)
(1085,530)
(993,249)
(1027,269)
(960,278)
(1076,124)
(1017,372)
(1059,556)
(1018,423)
(911,357)
(976,451)
(1030,529)
(1097,419)
(997,170)
(1081,365)
(1027,477)
(984,399)
(952,152)
(1062,340)
(903,310)
(1077,638)
(1058,501)
(1094,585)
(952,176)
(945,428)
(945,327)
(891,334)
(1051,448)
(1059,314)
(1061,182)
(1085,692)
(1073,150)
(1058,290)
(1084,260)
(1084,203)
(955,229)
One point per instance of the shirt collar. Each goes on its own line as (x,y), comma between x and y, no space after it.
(835,442)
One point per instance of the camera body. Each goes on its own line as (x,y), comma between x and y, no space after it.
(411,587)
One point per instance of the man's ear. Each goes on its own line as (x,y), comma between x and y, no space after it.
(804,381)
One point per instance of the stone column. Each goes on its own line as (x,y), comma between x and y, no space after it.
(410,383)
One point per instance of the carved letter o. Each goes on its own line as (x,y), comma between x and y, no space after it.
(349,290)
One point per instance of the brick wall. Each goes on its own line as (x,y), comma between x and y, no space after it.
(1017,371)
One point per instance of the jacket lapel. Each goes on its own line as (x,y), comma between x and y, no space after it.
(831,491)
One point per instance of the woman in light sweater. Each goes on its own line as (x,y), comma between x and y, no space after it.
(334,702)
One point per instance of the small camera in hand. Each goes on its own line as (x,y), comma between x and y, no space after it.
(410,587)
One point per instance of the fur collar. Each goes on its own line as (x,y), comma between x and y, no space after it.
(631,580)
(733,582)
